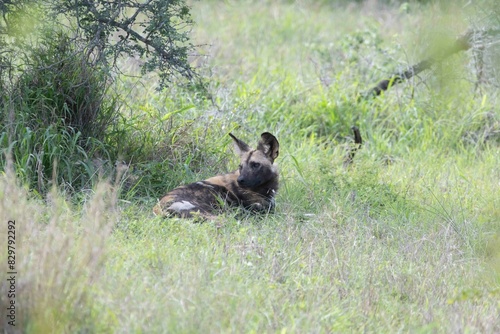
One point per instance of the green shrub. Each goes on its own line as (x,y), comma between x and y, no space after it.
(57,115)
(60,85)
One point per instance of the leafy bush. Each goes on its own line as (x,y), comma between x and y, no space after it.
(57,116)
(156,31)
(60,86)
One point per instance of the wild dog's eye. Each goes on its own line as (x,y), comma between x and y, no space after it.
(255,165)
(240,167)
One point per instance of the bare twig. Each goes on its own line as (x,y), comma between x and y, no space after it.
(358,142)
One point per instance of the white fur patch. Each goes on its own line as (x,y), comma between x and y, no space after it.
(181,206)
(204,184)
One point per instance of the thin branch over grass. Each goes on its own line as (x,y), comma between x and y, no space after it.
(463,43)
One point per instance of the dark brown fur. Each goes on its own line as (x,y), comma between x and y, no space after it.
(253,186)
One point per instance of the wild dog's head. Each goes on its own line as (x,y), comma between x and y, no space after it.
(257,165)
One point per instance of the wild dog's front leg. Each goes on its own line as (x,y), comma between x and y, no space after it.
(263,206)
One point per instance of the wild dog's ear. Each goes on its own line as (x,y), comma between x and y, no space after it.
(269,145)
(239,146)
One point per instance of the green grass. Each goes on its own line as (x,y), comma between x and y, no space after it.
(404,240)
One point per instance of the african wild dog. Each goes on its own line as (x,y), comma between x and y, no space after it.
(253,186)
